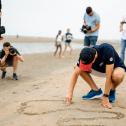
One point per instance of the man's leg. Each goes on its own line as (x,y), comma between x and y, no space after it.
(70,48)
(15,64)
(3,69)
(86,41)
(117,78)
(56,51)
(93,40)
(122,53)
(95,92)
(87,77)
(65,48)
(60,52)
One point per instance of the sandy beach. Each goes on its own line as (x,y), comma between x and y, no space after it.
(37,98)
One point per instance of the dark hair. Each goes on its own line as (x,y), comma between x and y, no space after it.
(87,55)
(88,10)
(6,44)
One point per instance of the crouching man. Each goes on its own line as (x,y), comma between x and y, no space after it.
(9,57)
(101,59)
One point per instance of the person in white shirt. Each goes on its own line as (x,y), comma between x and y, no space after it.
(123,37)
(58,43)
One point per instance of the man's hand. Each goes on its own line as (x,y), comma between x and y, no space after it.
(6,52)
(106,103)
(20,58)
(68,100)
(89,31)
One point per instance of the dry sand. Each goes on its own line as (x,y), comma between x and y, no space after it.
(37,98)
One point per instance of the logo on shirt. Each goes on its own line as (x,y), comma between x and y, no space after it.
(101,64)
(111,59)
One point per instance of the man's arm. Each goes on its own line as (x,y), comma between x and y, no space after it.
(56,40)
(20,58)
(3,59)
(72,84)
(97,26)
(84,23)
(108,85)
(121,26)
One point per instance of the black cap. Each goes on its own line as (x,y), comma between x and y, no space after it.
(87,55)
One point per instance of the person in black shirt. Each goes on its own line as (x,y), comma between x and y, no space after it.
(9,57)
(101,60)
(68,40)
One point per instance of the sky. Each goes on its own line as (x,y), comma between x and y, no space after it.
(45,17)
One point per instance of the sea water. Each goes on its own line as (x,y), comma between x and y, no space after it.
(32,48)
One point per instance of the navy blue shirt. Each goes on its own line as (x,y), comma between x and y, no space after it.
(68,37)
(106,55)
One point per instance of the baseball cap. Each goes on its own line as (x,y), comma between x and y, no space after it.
(87,56)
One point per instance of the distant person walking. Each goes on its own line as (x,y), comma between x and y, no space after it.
(58,43)
(68,40)
(91,25)
(123,38)
(0,18)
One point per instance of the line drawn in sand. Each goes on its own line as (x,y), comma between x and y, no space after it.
(30,108)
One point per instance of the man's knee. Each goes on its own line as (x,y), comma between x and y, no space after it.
(118,75)
(78,71)
(15,58)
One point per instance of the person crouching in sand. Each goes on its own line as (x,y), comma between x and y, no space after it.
(104,60)
(9,57)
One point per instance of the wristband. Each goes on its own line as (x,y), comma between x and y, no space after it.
(105,95)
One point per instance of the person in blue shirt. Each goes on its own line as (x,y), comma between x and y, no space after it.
(91,19)
(101,60)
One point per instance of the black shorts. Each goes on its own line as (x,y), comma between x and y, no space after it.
(121,64)
(68,41)
(9,62)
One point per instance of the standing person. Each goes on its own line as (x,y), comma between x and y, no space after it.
(0,18)
(68,40)
(92,23)
(123,37)
(98,60)
(9,57)
(58,43)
